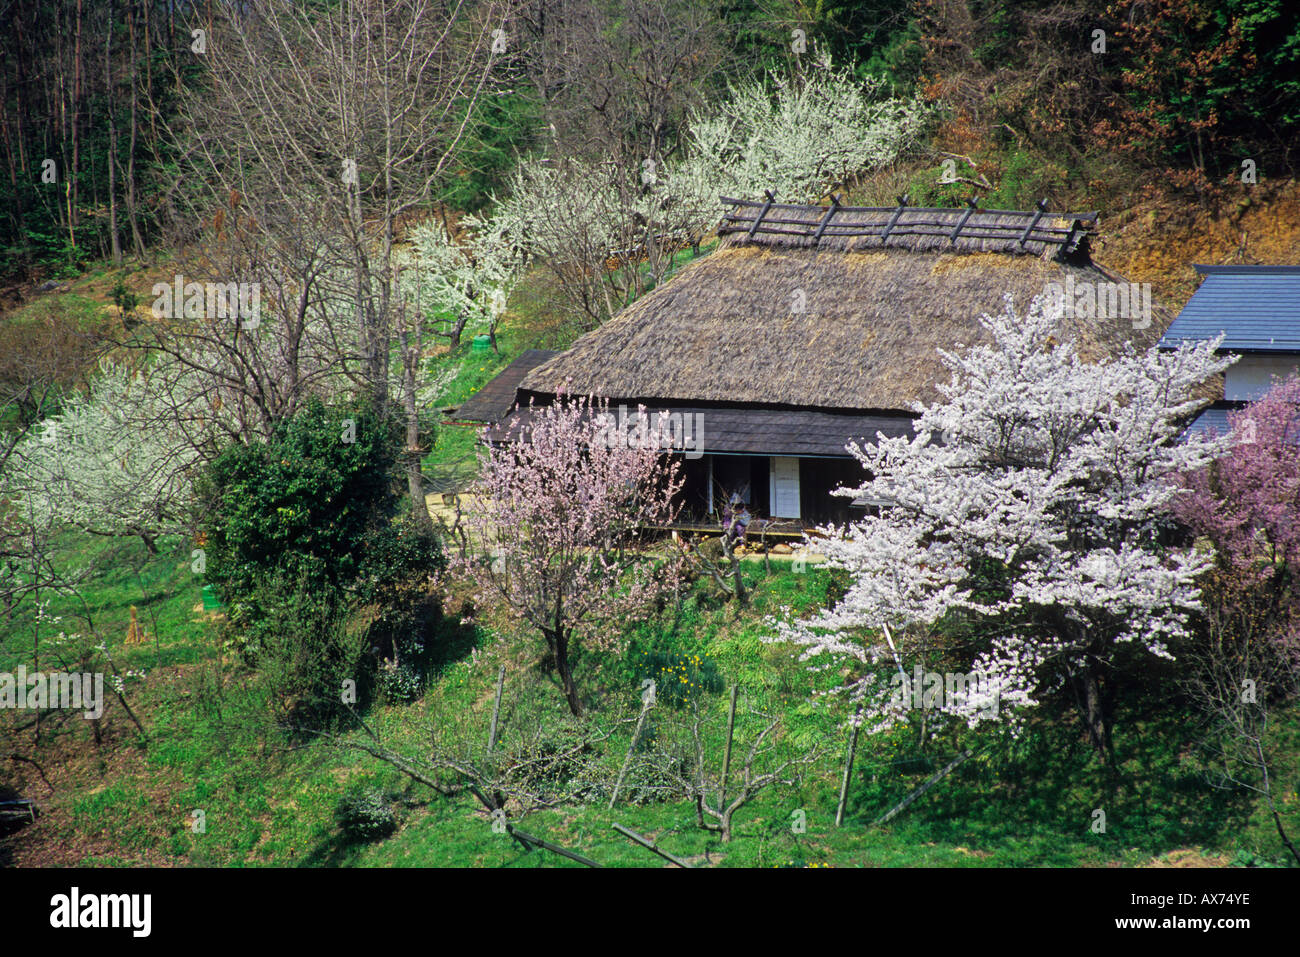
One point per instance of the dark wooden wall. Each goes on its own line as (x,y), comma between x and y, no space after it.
(817,477)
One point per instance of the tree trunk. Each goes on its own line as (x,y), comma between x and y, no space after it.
(132,208)
(1096,715)
(559,642)
(1089,695)
(729,551)
(415,486)
(71,181)
(456,331)
(115,242)
(414,473)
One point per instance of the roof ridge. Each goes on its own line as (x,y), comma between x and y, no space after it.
(1033,230)
(1083,217)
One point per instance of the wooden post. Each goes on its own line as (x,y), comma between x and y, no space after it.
(496,710)
(758,220)
(930,782)
(1042,208)
(893,220)
(553,848)
(826,220)
(726,758)
(970,208)
(649,846)
(848,766)
(636,736)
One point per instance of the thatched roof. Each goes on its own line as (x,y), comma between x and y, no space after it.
(775,320)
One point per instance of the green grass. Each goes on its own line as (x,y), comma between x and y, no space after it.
(457,443)
(120,573)
(269,801)
(86,313)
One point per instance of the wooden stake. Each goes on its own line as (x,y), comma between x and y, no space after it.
(636,736)
(726,759)
(758,220)
(649,846)
(496,710)
(931,782)
(848,766)
(553,848)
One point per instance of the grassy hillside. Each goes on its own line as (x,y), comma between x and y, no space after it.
(110,797)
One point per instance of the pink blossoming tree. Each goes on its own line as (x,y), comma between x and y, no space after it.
(559,528)
(1247,506)
(1248,503)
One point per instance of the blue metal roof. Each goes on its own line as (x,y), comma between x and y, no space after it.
(1214,418)
(1256,307)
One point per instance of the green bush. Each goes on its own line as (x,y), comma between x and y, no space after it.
(124,297)
(399,682)
(305,547)
(299,637)
(303,502)
(365,814)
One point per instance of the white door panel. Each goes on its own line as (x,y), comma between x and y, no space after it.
(784,490)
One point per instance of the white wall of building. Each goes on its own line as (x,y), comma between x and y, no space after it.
(1252,375)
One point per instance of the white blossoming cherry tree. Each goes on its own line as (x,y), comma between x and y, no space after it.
(113,461)
(1020,531)
(468,279)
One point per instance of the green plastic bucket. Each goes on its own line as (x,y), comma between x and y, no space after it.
(210,600)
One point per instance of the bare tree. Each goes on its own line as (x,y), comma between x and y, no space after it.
(1241,676)
(536,758)
(41,360)
(614,81)
(681,761)
(318,131)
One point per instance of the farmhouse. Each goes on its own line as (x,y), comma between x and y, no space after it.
(1257,311)
(811,326)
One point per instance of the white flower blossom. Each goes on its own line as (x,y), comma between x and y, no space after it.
(1054,473)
